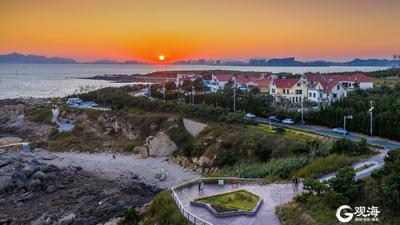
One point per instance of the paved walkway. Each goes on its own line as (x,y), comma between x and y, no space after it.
(378,160)
(272,195)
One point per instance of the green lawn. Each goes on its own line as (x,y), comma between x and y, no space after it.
(363,167)
(232,201)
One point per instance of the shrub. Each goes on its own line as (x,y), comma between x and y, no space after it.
(40,114)
(182,139)
(53,132)
(263,150)
(346,146)
(163,210)
(131,217)
(314,186)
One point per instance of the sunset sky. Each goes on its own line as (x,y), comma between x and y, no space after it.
(183,29)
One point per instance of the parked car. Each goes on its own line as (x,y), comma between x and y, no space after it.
(274,119)
(288,121)
(340,130)
(250,116)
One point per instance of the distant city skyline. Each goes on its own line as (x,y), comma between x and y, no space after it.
(90,30)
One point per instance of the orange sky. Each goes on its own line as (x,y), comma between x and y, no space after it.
(182,29)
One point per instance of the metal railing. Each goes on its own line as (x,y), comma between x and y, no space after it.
(186,213)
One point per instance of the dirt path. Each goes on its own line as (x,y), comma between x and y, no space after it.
(103,164)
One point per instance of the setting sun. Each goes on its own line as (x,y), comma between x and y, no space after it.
(161,57)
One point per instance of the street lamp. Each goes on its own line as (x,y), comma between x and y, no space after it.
(344,123)
(370,112)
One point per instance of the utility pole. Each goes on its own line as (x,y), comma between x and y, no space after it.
(302,111)
(370,113)
(234,98)
(192,97)
(164,90)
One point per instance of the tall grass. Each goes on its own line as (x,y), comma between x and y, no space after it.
(280,168)
(323,165)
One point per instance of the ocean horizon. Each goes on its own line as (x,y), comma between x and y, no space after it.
(59,80)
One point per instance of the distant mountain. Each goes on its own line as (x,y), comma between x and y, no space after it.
(19,58)
(293,62)
(104,61)
(290,61)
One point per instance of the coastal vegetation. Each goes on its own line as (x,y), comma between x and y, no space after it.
(318,204)
(39,114)
(163,210)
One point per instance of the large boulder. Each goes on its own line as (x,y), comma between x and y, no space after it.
(158,146)
(35,185)
(39,175)
(67,220)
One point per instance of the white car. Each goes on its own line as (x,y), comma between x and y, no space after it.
(250,116)
(288,121)
(340,130)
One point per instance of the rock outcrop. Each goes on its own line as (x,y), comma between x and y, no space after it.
(193,127)
(157,146)
(113,124)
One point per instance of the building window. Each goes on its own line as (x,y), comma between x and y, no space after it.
(309,94)
(299,92)
(320,95)
(314,95)
(273,90)
(334,95)
(337,87)
(298,84)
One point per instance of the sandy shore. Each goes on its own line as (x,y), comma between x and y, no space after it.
(123,166)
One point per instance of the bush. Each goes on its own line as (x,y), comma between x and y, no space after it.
(346,146)
(314,186)
(53,132)
(163,210)
(131,217)
(182,139)
(263,150)
(40,114)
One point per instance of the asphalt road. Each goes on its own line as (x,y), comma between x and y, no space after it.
(388,144)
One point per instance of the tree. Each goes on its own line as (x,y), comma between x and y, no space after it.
(314,186)
(388,182)
(170,86)
(345,184)
(187,86)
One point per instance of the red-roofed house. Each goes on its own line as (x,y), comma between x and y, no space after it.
(312,78)
(326,91)
(218,81)
(350,82)
(293,90)
(181,77)
(242,81)
(262,83)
